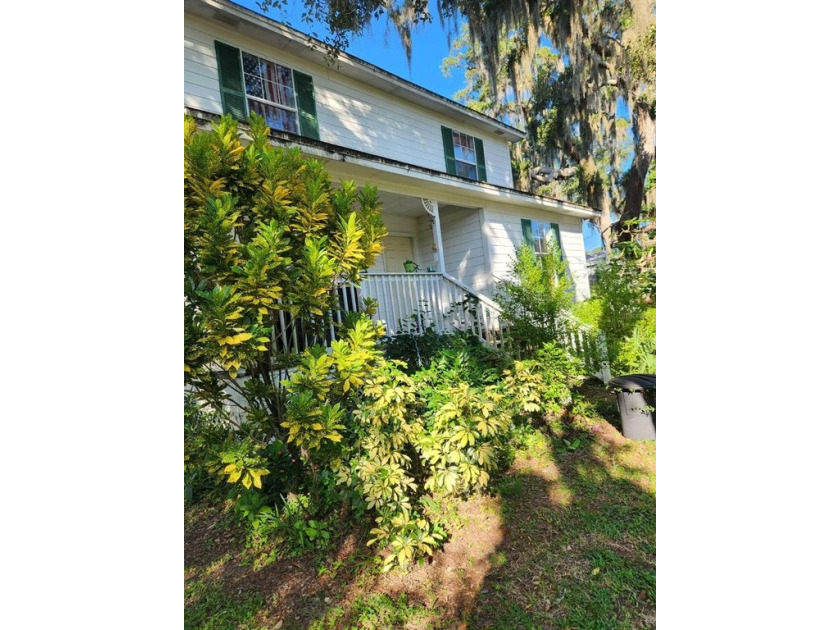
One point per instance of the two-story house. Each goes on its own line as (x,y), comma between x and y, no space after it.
(443,171)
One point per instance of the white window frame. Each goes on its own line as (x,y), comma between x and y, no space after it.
(291,70)
(467,162)
(543,239)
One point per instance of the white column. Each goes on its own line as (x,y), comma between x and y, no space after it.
(431,207)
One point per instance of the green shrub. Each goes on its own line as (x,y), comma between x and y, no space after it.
(204,429)
(637,353)
(589,312)
(626,295)
(560,372)
(419,350)
(533,299)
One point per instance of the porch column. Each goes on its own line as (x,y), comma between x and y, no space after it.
(431,207)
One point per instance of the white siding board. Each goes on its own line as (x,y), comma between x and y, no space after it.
(203,94)
(463,248)
(197,80)
(399,223)
(428,258)
(200,63)
(199,66)
(350,114)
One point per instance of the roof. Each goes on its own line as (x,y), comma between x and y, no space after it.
(262,28)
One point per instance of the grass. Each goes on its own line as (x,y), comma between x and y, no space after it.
(210,607)
(568,541)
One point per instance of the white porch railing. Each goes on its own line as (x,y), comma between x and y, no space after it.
(589,345)
(412,302)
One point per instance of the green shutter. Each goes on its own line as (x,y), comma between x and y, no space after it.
(527,235)
(307,116)
(230,81)
(448,150)
(556,230)
(479,154)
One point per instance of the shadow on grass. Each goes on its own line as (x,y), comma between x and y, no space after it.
(580,539)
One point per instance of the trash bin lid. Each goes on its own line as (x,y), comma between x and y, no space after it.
(634,382)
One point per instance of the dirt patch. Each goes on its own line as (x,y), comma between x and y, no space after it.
(451,581)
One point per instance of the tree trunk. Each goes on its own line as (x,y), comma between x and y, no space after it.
(644,128)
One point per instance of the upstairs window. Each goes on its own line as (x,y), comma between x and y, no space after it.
(464,155)
(271,92)
(539,234)
(465,160)
(284,97)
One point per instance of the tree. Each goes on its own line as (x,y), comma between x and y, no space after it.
(606,53)
(266,239)
(539,165)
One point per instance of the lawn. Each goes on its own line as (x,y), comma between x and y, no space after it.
(566,540)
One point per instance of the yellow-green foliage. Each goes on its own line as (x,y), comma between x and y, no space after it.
(263,227)
(460,446)
(410,538)
(524,387)
(239,462)
(315,412)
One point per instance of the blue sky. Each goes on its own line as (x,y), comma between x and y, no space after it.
(381,46)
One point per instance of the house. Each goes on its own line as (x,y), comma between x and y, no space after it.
(443,171)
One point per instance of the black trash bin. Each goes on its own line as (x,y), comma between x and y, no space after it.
(636,395)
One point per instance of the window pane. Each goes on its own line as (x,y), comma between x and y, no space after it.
(275,117)
(278,85)
(253,81)
(542,235)
(465,170)
(268,80)
(464,154)
(464,147)
(251,64)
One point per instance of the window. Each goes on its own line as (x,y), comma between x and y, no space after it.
(284,97)
(464,155)
(538,235)
(271,92)
(465,162)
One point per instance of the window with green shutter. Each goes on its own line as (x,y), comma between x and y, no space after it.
(539,234)
(284,97)
(464,155)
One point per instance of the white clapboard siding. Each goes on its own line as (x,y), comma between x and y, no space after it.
(350,114)
(463,250)
(503,229)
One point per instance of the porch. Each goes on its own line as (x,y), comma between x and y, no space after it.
(451,289)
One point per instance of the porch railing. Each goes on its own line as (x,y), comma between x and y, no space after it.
(587,344)
(412,302)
